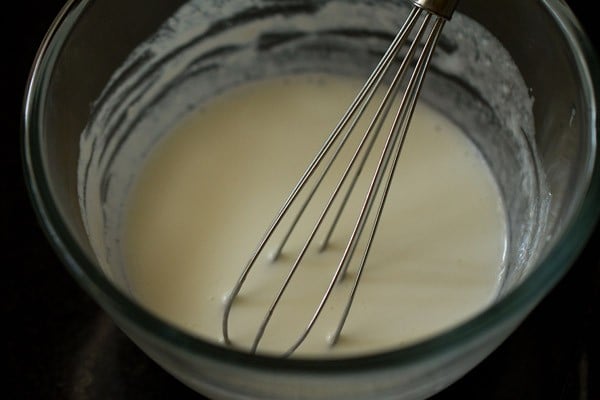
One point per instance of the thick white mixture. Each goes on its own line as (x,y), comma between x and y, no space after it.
(210,190)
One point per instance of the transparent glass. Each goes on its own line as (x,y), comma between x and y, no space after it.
(89,41)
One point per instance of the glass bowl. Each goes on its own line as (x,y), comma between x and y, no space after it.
(91,44)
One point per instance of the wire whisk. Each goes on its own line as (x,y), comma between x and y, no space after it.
(412,48)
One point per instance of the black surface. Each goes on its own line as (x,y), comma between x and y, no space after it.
(57,343)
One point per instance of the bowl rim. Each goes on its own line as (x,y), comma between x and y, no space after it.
(534,287)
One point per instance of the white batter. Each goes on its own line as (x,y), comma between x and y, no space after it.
(209,192)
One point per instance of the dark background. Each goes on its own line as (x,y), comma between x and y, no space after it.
(58,344)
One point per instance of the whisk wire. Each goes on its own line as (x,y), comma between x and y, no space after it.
(347,255)
(398,79)
(394,140)
(401,124)
(352,116)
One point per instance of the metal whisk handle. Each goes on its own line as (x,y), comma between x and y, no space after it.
(443,8)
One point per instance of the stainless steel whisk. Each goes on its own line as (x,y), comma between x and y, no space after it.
(432,15)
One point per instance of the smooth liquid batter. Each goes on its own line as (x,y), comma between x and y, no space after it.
(207,194)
